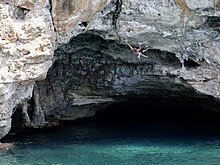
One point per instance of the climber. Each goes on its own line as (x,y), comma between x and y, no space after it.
(138,51)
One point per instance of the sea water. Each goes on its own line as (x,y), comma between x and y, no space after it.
(109,143)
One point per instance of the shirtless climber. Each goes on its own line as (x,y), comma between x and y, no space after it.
(138,51)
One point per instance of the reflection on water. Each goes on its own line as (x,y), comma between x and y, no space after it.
(106,143)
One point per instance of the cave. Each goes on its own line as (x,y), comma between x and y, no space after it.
(161,109)
(171,116)
(110,82)
(95,78)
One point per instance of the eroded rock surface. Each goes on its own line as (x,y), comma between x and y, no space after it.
(183,36)
(90,73)
(26,52)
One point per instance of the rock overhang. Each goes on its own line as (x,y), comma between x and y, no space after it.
(189,29)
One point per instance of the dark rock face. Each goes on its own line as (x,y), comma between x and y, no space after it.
(160,109)
(90,73)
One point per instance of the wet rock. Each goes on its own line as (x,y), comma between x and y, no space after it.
(6,146)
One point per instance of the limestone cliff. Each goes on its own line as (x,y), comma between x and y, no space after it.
(183,36)
(27,42)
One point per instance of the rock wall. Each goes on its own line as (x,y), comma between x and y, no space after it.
(27,42)
(31,30)
(190,29)
(90,73)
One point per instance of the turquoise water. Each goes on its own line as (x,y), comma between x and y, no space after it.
(99,143)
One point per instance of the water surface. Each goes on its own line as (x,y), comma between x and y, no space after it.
(130,143)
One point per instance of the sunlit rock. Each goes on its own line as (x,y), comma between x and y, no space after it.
(26,51)
(187,31)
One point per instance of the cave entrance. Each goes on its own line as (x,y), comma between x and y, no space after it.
(182,116)
(161,109)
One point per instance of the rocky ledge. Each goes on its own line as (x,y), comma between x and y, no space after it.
(6,146)
(93,66)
